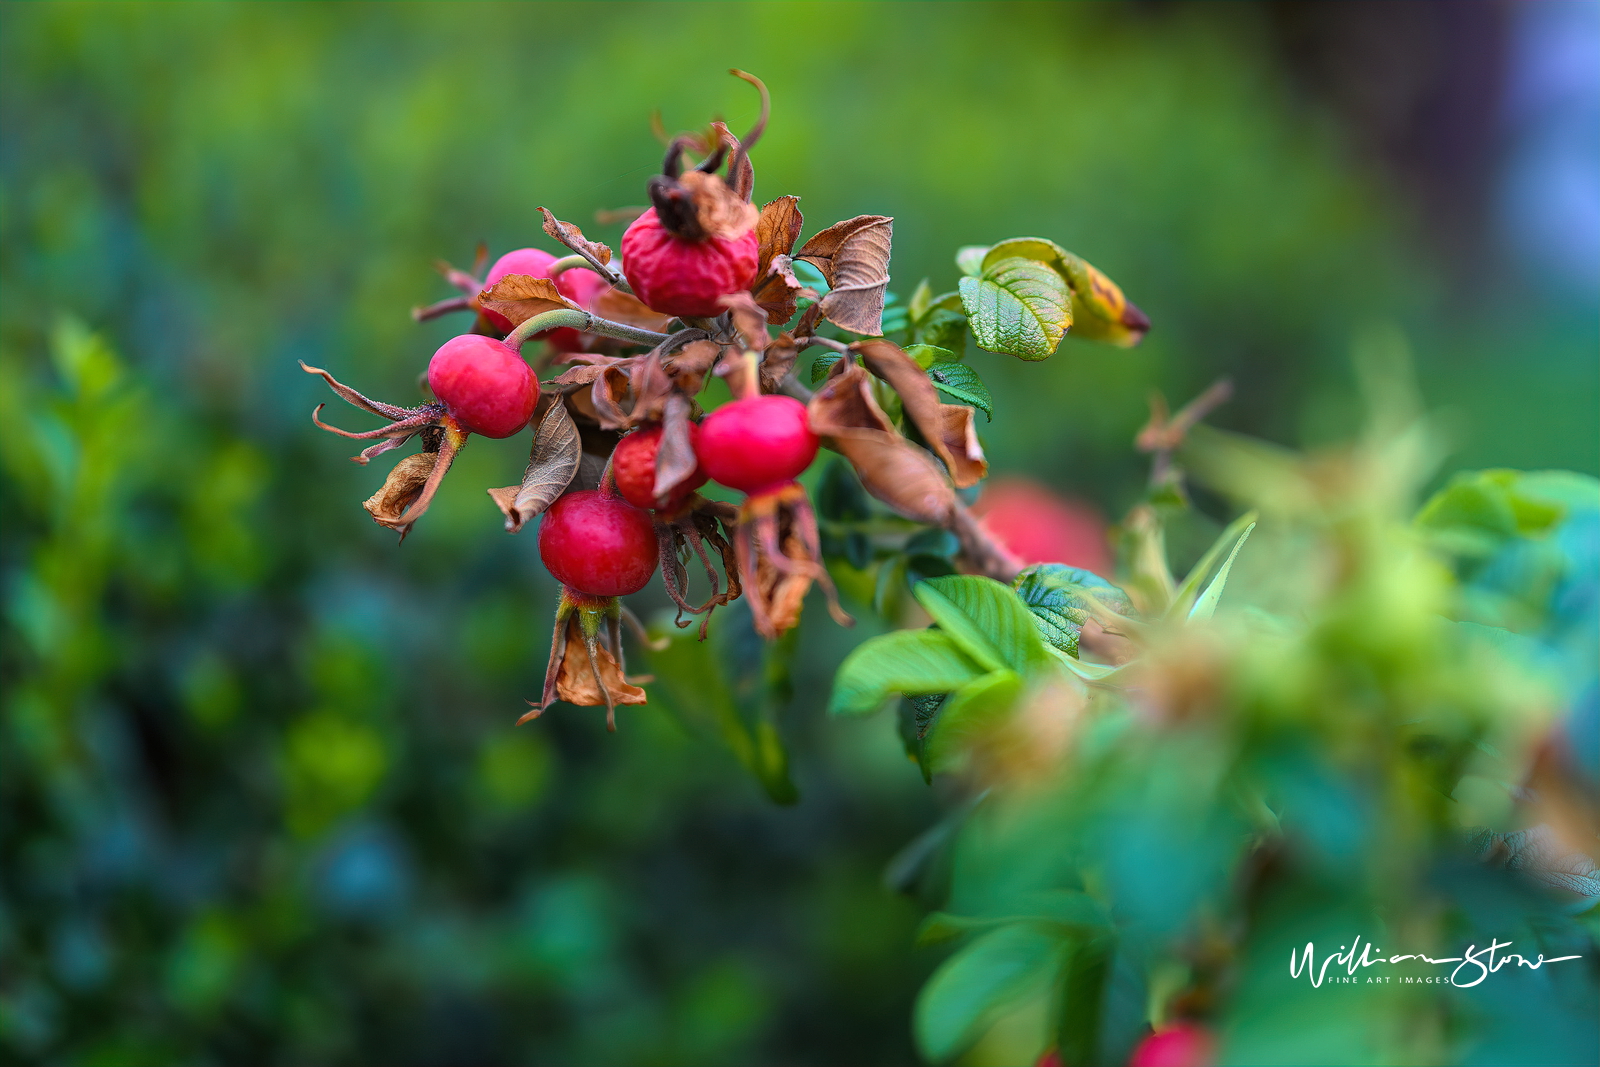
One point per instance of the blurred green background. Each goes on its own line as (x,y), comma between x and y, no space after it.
(260,797)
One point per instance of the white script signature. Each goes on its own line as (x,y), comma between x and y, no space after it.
(1479,962)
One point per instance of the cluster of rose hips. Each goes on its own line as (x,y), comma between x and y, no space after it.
(685,288)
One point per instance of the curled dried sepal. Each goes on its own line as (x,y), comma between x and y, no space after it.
(948,428)
(779,554)
(410,487)
(703,522)
(552,462)
(586,663)
(598,255)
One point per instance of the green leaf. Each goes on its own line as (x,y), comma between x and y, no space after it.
(921,301)
(1057,595)
(1082,994)
(906,661)
(1070,910)
(926,356)
(969,989)
(988,620)
(969,714)
(970,259)
(821,365)
(1018,307)
(963,383)
(945,327)
(1206,606)
(1189,590)
(1041,249)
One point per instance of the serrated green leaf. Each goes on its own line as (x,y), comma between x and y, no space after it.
(1057,594)
(988,620)
(964,994)
(963,383)
(945,327)
(1019,307)
(1041,249)
(970,259)
(1189,590)
(926,356)
(968,714)
(1206,606)
(907,661)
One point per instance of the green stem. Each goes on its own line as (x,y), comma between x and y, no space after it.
(564,264)
(584,322)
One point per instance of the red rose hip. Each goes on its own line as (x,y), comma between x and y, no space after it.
(597,544)
(676,276)
(633,465)
(534,262)
(756,443)
(484,384)
(1181,1045)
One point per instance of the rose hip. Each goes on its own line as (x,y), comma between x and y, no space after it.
(534,262)
(484,384)
(676,276)
(597,544)
(633,465)
(756,443)
(580,286)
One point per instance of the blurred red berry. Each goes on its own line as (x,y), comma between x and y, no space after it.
(1037,526)
(1181,1045)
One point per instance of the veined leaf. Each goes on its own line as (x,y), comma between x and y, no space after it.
(822,364)
(970,259)
(906,661)
(961,382)
(966,991)
(1019,307)
(969,714)
(988,620)
(927,355)
(1058,596)
(1206,606)
(1189,590)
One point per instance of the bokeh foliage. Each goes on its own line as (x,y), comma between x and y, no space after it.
(261,799)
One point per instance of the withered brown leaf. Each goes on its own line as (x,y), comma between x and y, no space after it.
(749,319)
(891,468)
(689,365)
(854,256)
(519,297)
(675,458)
(569,235)
(778,228)
(948,428)
(777,361)
(720,211)
(741,173)
(618,306)
(552,462)
(610,390)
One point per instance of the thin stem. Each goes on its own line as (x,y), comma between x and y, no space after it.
(443,307)
(803,343)
(584,322)
(564,264)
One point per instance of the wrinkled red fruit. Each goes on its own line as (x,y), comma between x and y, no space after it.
(484,384)
(679,277)
(756,443)
(534,262)
(595,543)
(1037,526)
(633,465)
(1183,1045)
(581,287)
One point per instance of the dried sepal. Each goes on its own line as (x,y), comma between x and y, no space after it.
(552,463)
(777,228)
(519,297)
(854,256)
(749,319)
(586,662)
(676,461)
(393,412)
(705,523)
(779,555)
(610,391)
(949,429)
(689,365)
(892,469)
